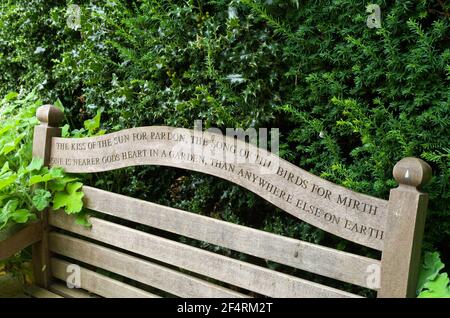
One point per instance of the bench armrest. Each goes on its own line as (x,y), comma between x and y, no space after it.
(27,236)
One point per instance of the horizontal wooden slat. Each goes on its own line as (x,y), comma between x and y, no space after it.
(99,284)
(38,292)
(31,234)
(238,273)
(67,292)
(148,273)
(314,258)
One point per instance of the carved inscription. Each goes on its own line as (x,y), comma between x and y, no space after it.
(335,209)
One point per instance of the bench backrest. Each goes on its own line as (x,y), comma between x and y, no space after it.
(394,227)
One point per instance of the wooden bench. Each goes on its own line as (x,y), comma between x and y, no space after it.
(139,259)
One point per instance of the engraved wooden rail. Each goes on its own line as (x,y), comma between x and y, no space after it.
(394,227)
(351,215)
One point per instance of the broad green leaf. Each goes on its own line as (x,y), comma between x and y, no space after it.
(57,173)
(10,96)
(71,199)
(35,165)
(5,129)
(41,199)
(65,131)
(437,288)
(60,184)
(21,216)
(5,168)
(8,147)
(7,180)
(91,125)
(59,105)
(39,179)
(83,219)
(430,269)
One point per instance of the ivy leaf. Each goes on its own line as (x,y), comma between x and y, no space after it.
(430,269)
(54,173)
(57,173)
(438,288)
(39,179)
(65,133)
(5,168)
(7,179)
(35,165)
(11,96)
(83,219)
(21,216)
(59,185)
(7,211)
(71,199)
(41,199)
(91,125)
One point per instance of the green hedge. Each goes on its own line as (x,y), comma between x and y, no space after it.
(350,101)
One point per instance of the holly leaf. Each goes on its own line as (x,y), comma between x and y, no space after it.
(41,199)
(437,288)
(430,269)
(71,199)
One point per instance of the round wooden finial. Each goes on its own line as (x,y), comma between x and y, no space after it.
(412,171)
(50,115)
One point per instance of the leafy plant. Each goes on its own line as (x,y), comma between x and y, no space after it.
(432,283)
(26,186)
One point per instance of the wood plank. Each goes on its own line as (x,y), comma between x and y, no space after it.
(67,292)
(148,273)
(354,216)
(38,292)
(248,276)
(50,118)
(29,235)
(401,261)
(99,284)
(314,258)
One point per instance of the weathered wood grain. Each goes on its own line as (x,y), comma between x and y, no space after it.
(38,292)
(27,236)
(67,292)
(99,284)
(314,258)
(146,272)
(50,118)
(338,210)
(400,261)
(248,276)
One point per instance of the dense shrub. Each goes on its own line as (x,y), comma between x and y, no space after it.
(350,101)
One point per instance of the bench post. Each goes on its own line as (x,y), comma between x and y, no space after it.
(50,118)
(400,261)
